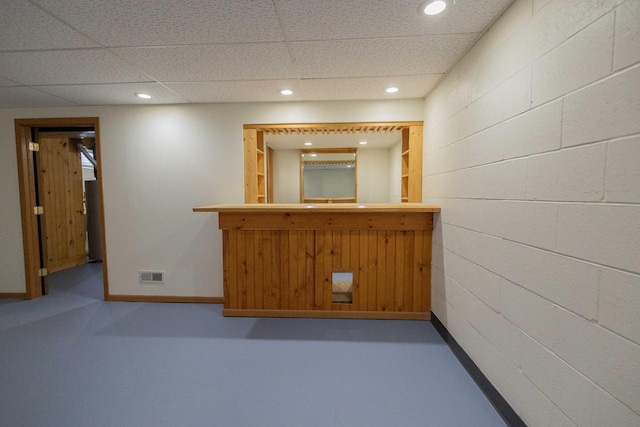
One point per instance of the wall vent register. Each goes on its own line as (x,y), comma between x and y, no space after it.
(155,277)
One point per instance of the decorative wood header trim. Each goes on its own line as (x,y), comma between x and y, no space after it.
(329,162)
(328,128)
(328,150)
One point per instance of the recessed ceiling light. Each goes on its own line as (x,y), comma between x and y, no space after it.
(392,90)
(362,142)
(433,7)
(308,143)
(143,95)
(286,92)
(313,155)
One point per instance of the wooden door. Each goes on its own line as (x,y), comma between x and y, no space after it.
(60,192)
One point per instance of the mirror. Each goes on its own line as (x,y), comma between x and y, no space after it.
(328,176)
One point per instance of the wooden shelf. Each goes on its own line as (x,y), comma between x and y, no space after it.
(255,167)
(411,169)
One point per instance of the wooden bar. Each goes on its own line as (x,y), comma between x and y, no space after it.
(381,267)
(309,271)
(372,261)
(399,273)
(327,267)
(230,259)
(267,265)
(324,221)
(258,271)
(362,284)
(279,260)
(354,248)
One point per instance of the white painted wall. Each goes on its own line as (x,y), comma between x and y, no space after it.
(12,277)
(87,175)
(373,175)
(532,148)
(286,176)
(193,157)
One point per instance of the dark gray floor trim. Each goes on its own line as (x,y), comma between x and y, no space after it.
(504,409)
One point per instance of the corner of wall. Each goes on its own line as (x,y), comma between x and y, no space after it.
(532,143)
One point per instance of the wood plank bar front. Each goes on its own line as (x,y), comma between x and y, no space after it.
(279,260)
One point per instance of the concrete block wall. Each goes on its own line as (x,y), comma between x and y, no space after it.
(532,148)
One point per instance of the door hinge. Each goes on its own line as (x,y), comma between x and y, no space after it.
(34,146)
(42,272)
(38,210)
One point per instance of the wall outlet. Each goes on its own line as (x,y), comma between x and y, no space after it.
(151,277)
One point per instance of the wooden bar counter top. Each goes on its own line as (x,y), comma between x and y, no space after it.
(330,207)
(326,260)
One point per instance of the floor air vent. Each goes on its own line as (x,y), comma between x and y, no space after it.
(155,277)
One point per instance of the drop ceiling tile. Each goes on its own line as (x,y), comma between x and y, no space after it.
(115,94)
(16,97)
(330,20)
(239,91)
(245,61)
(67,67)
(24,26)
(368,87)
(170,22)
(380,57)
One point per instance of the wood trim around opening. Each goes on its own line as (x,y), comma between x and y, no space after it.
(26,183)
(27,201)
(413,128)
(336,127)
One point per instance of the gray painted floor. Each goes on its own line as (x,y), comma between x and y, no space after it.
(71,359)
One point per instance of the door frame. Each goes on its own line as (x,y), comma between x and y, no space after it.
(26,179)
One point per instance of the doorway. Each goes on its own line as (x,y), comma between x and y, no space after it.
(52,197)
(407,179)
